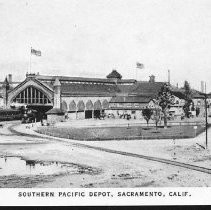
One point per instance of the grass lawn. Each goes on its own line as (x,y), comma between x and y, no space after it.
(122,133)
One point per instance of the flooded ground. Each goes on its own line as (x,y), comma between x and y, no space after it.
(28,161)
(18,166)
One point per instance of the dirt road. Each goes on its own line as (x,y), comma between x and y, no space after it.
(64,164)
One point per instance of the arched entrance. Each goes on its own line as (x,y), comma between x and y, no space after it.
(64,106)
(89,110)
(97,109)
(72,110)
(80,110)
(35,99)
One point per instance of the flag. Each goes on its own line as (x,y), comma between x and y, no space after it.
(35,52)
(139,65)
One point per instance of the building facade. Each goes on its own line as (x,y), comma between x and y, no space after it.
(84,98)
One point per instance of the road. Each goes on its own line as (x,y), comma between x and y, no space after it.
(102,164)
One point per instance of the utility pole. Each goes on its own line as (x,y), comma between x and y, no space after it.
(168,76)
(206,116)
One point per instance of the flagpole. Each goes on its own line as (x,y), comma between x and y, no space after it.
(136,73)
(140,66)
(30,60)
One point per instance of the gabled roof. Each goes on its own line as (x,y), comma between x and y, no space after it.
(114,74)
(180,93)
(35,80)
(56,111)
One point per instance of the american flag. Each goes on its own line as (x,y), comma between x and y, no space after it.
(35,52)
(139,65)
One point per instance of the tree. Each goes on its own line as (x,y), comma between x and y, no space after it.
(165,99)
(188,99)
(147,113)
(156,116)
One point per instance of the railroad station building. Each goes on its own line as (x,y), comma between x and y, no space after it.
(82,98)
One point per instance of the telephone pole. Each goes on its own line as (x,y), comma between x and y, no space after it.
(206,115)
(168,76)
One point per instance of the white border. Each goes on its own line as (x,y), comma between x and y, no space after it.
(195,196)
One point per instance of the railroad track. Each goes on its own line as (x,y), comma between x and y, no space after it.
(160,160)
(18,133)
(150,158)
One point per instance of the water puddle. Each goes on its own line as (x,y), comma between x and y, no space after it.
(18,166)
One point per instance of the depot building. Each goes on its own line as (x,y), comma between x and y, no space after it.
(79,97)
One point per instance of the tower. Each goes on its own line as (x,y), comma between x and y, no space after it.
(57,93)
(5,87)
(152,78)
(114,76)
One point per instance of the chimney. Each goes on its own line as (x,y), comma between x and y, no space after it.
(202,86)
(10,78)
(169,77)
(152,78)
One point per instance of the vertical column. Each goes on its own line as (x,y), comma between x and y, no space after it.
(31,94)
(24,98)
(35,95)
(39,101)
(43,98)
(27,95)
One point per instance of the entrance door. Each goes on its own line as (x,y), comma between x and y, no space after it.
(96,113)
(88,114)
(40,111)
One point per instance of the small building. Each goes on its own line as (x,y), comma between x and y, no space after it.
(55,115)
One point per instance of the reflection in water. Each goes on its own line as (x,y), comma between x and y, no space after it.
(30,162)
(17,166)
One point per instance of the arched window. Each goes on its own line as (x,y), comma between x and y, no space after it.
(97,105)
(89,105)
(105,104)
(64,106)
(32,95)
(72,106)
(81,106)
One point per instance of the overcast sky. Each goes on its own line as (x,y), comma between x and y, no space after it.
(91,37)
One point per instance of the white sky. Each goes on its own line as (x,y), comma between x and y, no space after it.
(91,37)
